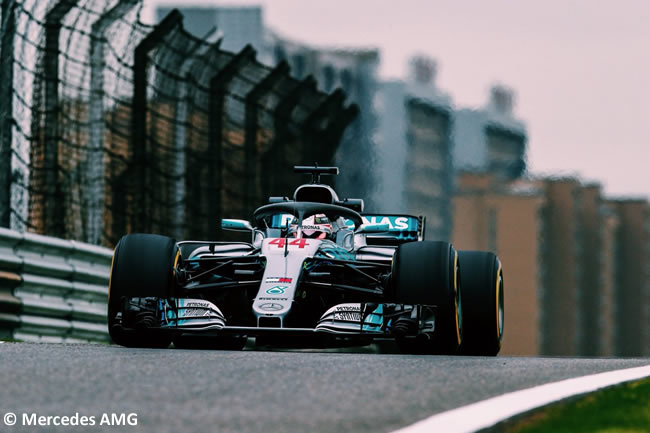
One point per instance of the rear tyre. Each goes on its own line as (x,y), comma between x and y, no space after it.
(483,306)
(427,273)
(209,343)
(142,268)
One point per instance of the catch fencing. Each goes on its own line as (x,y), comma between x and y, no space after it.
(110,126)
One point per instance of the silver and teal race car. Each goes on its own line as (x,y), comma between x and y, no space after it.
(317,272)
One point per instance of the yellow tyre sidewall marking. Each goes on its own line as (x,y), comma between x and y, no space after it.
(456,297)
(178,256)
(499,334)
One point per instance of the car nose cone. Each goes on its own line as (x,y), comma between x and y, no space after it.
(271,306)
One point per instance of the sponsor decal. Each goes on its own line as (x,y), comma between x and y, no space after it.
(307,227)
(351,313)
(271,306)
(349,308)
(277,290)
(194,309)
(394,223)
(278,280)
(197,304)
(348,316)
(272,299)
(194,312)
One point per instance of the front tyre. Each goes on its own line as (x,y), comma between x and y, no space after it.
(427,273)
(483,306)
(141,273)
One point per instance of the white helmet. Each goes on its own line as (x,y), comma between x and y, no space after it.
(314,227)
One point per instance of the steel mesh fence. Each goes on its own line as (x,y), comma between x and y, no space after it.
(110,126)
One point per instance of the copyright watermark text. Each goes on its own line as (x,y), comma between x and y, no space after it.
(76,419)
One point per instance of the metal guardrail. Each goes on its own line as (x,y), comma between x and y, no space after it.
(51,289)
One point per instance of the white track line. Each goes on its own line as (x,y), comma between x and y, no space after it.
(486,413)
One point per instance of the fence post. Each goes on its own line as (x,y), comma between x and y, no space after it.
(251,131)
(8,30)
(310,126)
(95,165)
(281,118)
(54,211)
(218,85)
(139,144)
(335,129)
(180,137)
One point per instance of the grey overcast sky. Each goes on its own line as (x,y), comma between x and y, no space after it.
(580,68)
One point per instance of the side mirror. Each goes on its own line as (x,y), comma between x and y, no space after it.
(373,228)
(258,237)
(236,225)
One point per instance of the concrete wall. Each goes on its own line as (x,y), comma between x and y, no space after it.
(429,169)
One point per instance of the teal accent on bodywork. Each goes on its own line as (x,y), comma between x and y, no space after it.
(277,290)
(336,253)
(171,319)
(234,224)
(375,320)
(401,227)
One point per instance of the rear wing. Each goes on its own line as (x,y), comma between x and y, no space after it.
(401,228)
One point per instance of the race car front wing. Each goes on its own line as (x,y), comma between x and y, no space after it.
(368,319)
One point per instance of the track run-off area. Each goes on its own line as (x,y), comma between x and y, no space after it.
(202,391)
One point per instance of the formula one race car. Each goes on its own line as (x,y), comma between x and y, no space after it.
(316,273)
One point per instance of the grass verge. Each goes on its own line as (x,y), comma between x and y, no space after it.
(619,409)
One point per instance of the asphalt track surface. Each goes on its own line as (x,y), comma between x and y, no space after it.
(184,391)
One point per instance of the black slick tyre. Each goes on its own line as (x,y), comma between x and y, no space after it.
(483,306)
(142,267)
(427,273)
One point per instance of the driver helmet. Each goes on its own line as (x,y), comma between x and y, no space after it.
(314,227)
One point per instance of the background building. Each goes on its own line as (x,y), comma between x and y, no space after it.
(237,26)
(414,149)
(576,264)
(391,146)
(591,227)
(632,291)
(491,139)
(506,219)
(607,304)
(561,244)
